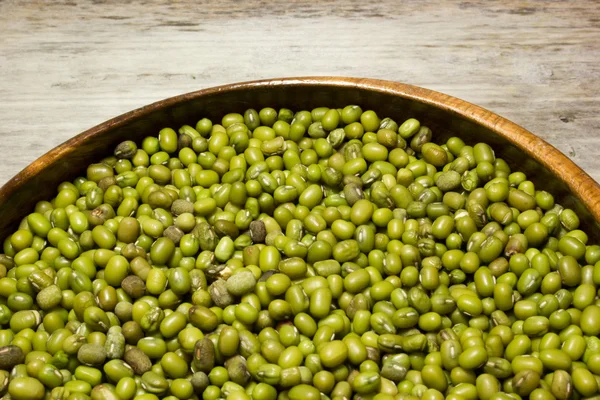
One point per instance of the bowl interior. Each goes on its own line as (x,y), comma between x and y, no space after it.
(445,115)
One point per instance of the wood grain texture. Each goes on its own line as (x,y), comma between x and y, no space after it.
(66,66)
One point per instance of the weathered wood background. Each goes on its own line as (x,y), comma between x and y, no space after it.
(66,66)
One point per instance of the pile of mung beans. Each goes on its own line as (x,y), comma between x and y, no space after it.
(323,254)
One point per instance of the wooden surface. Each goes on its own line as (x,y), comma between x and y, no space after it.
(67,66)
(547,167)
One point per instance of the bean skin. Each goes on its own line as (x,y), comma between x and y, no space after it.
(324,252)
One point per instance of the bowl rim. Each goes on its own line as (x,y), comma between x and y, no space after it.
(580,184)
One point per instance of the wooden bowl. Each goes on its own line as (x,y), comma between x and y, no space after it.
(445,115)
